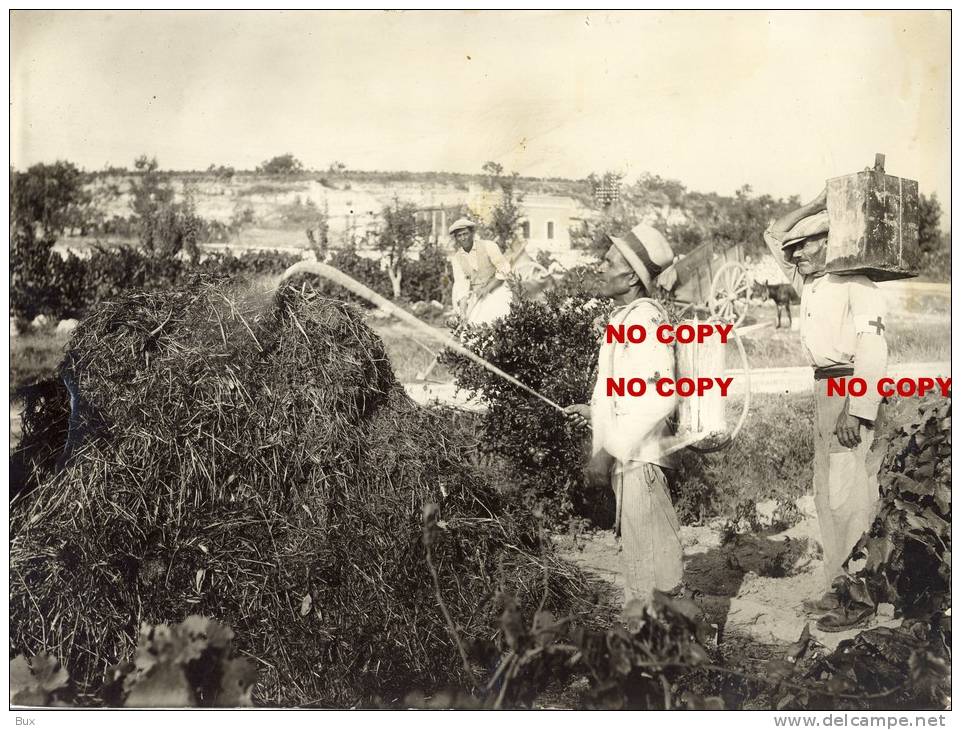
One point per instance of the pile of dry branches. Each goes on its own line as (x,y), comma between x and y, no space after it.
(252,458)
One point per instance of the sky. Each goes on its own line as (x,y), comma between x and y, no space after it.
(777,100)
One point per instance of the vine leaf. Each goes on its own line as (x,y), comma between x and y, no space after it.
(165,687)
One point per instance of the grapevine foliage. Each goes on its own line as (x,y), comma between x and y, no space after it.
(190,664)
(903,560)
(37,682)
(906,554)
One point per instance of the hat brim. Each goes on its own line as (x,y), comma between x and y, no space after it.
(801,239)
(637,266)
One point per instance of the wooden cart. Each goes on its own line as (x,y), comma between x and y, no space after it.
(714,280)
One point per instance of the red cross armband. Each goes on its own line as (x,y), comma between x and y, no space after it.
(868,324)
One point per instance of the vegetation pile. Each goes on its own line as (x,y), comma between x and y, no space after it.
(253,459)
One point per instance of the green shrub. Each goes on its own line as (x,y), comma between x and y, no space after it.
(550,346)
(428,278)
(31,288)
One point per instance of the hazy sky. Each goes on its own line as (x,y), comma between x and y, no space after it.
(777,100)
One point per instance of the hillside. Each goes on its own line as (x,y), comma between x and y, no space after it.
(274,211)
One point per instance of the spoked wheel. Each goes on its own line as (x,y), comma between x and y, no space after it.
(730,294)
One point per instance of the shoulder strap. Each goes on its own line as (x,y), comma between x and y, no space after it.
(627,308)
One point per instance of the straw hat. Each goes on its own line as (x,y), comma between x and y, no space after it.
(460,224)
(647,252)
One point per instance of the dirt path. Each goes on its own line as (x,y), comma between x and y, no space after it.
(751,589)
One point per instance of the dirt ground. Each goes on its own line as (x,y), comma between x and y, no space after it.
(751,589)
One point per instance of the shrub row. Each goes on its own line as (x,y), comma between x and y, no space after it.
(63,287)
(66,286)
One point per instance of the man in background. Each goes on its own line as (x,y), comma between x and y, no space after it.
(480,269)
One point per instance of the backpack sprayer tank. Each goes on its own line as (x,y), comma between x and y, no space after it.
(701,413)
(702,417)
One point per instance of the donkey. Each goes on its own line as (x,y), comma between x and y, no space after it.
(783,296)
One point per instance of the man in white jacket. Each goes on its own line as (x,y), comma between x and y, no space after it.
(843,322)
(629,431)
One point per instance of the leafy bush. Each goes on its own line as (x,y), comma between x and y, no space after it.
(366,271)
(550,346)
(285,164)
(907,552)
(428,278)
(32,291)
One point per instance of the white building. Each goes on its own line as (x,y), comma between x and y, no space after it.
(547,221)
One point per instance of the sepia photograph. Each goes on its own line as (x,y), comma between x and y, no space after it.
(480,360)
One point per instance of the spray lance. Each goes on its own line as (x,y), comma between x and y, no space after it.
(352,285)
(355,287)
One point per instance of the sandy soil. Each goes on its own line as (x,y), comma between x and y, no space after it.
(750,589)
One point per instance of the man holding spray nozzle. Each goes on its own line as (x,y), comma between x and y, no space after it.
(628,431)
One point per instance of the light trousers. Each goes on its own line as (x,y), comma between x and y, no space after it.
(845,483)
(651,555)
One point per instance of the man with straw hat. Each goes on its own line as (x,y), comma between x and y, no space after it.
(842,330)
(480,270)
(628,431)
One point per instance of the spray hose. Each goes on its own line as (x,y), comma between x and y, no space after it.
(354,286)
(669,446)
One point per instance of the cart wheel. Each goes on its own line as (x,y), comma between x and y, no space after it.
(730,292)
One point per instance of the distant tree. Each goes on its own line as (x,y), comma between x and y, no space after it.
(661,191)
(507,214)
(221,172)
(166,228)
(929,223)
(149,188)
(47,199)
(285,164)
(494,171)
(337,168)
(402,229)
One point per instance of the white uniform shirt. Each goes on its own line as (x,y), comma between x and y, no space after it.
(475,268)
(842,323)
(632,428)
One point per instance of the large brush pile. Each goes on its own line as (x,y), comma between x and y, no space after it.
(254,460)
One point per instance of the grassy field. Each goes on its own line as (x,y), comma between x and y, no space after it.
(34,356)
(926,338)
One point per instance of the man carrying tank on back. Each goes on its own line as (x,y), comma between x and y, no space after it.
(628,432)
(842,330)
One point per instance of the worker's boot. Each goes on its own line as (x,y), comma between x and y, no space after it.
(852,616)
(828,602)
